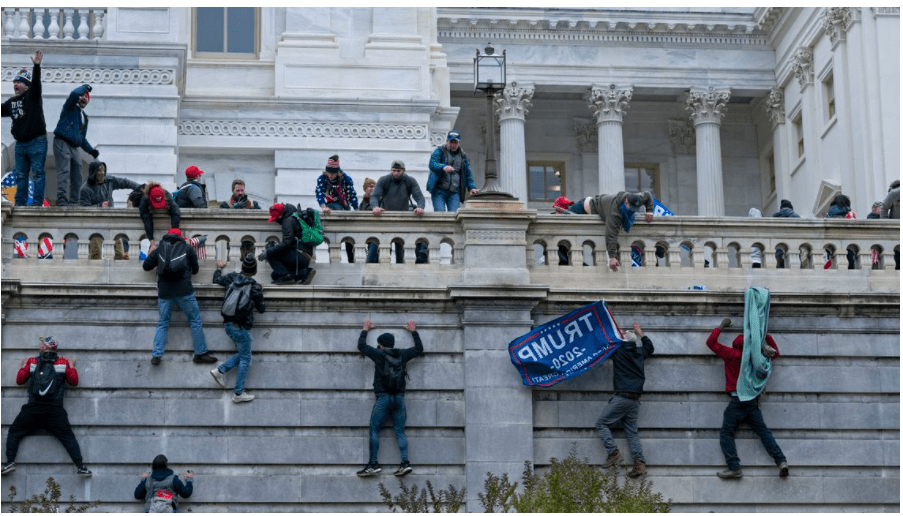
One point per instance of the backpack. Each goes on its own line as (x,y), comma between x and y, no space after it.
(237,301)
(164,499)
(317,235)
(45,383)
(394,374)
(173,260)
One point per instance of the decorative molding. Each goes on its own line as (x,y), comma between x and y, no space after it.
(514,101)
(96,76)
(587,137)
(774,106)
(496,236)
(769,18)
(683,136)
(302,129)
(838,20)
(437,139)
(801,64)
(886,11)
(609,103)
(707,105)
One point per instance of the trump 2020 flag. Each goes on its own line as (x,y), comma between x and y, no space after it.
(660,210)
(567,346)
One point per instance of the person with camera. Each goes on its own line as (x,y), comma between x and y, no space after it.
(301,233)
(161,488)
(239,199)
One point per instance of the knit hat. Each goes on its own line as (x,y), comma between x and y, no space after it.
(895,184)
(453,136)
(386,340)
(24,76)
(49,342)
(175,231)
(368,182)
(157,197)
(193,172)
(275,211)
(562,203)
(398,164)
(738,342)
(786,204)
(332,164)
(249,264)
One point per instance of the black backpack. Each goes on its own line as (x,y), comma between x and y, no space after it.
(45,383)
(173,260)
(394,374)
(237,302)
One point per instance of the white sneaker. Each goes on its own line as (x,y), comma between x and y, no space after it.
(244,396)
(218,376)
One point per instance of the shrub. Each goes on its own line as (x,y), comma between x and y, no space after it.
(413,500)
(48,501)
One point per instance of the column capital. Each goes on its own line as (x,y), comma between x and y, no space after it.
(514,101)
(609,103)
(774,106)
(837,21)
(801,63)
(707,106)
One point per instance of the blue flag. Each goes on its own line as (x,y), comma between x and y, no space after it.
(660,210)
(567,346)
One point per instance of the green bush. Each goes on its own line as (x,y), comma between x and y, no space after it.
(413,500)
(48,501)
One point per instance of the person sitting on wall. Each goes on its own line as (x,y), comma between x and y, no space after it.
(192,193)
(290,258)
(161,488)
(239,199)
(98,189)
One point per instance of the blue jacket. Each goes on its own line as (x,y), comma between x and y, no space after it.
(183,490)
(439,160)
(70,127)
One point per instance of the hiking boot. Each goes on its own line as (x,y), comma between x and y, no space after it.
(369,470)
(614,458)
(730,474)
(638,470)
(240,398)
(784,469)
(83,471)
(155,360)
(219,377)
(403,469)
(284,280)
(204,358)
(306,280)
(9,467)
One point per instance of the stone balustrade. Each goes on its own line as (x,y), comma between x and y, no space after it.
(70,23)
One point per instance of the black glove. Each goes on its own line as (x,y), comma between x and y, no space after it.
(94,153)
(725,323)
(262,256)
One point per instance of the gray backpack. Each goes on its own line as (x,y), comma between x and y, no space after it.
(160,495)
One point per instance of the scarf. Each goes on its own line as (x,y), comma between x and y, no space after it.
(336,192)
(627,218)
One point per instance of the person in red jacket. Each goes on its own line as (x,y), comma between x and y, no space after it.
(738,411)
(44,409)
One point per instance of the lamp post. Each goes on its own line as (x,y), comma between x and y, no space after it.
(489,76)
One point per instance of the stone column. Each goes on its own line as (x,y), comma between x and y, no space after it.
(774,107)
(706,108)
(609,104)
(511,106)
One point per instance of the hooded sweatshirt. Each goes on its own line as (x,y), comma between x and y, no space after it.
(27,111)
(183,490)
(246,321)
(629,366)
(93,193)
(379,357)
(73,124)
(167,289)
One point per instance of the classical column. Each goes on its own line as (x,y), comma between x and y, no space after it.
(706,107)
(774,107)
(511,105)
(609,104)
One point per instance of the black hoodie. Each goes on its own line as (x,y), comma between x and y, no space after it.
(379,356)
(629,366)
(256,294)
(93,193)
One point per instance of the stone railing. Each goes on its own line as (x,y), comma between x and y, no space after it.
(70,23)
(714,252)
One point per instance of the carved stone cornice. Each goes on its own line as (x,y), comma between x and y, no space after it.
(838,20)
(609,102)
(886,11)
(248,128)
(99,75)
(774,107)
(514,101)
(769,17)
(707,106)
(801,64)
(587,136)
(682,134)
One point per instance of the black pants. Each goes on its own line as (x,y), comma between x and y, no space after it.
(41,416)
(288,261)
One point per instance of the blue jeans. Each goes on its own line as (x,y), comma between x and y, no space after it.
(444,200)
(421,253)
(624,410)
(737,412)
(242,339)
(30,156)
(386,405)
(189,305)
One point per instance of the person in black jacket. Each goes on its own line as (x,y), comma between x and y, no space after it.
(161,477)
(238,326)
(192,193)
(155,198)
(177,292)
(98,189)
(290,258)
(389,397)
(629,377)
(26,108)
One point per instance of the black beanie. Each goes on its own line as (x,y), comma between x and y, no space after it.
(386,340)
(249,264)
(786,204)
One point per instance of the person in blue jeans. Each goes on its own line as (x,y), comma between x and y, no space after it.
(26,108)
(177,292)
(389,386)
(238,326)
(450,175)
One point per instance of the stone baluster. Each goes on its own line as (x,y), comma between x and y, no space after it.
(84,24)
(335,251)
(83,248)
(220,249)
(68,28)
(720,258)
(624,259)
(9,25)
(360,252)
(23,24)
(706,108)
(744,258)
(575,255)
(54,28)
(793,258)
(512,106)
(889,263)
(384,251)
(609,103)
(674,261)
(38,27)
(98,23)
(697,257)
(865,257)
(107,249)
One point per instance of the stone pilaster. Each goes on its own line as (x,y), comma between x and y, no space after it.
(838,20)
(801,63)
(609,103)
(706,108)
(512,105)
(682,135)
(774,108)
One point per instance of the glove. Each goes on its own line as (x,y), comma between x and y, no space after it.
(262,256)
(94,153)
(725,323)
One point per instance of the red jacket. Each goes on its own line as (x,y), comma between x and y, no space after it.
(733,356)
(32,362)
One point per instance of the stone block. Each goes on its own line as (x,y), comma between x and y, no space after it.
(486,441)
(500,405)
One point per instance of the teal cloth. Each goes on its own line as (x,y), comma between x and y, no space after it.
(755,368)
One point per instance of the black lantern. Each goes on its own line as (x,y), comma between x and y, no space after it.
(489,76)
(489,70)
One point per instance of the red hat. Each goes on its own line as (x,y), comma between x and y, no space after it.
(157,197)
(275,211)
(193,172)
(562,203)
(175,231)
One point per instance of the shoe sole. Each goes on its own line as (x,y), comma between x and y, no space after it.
(241,400)
(7,471)
(370,474)
(85,475)
(403,472)
(217,378)
(731,477)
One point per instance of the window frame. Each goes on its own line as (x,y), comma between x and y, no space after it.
(557,165)
(246,56)
(657,188)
